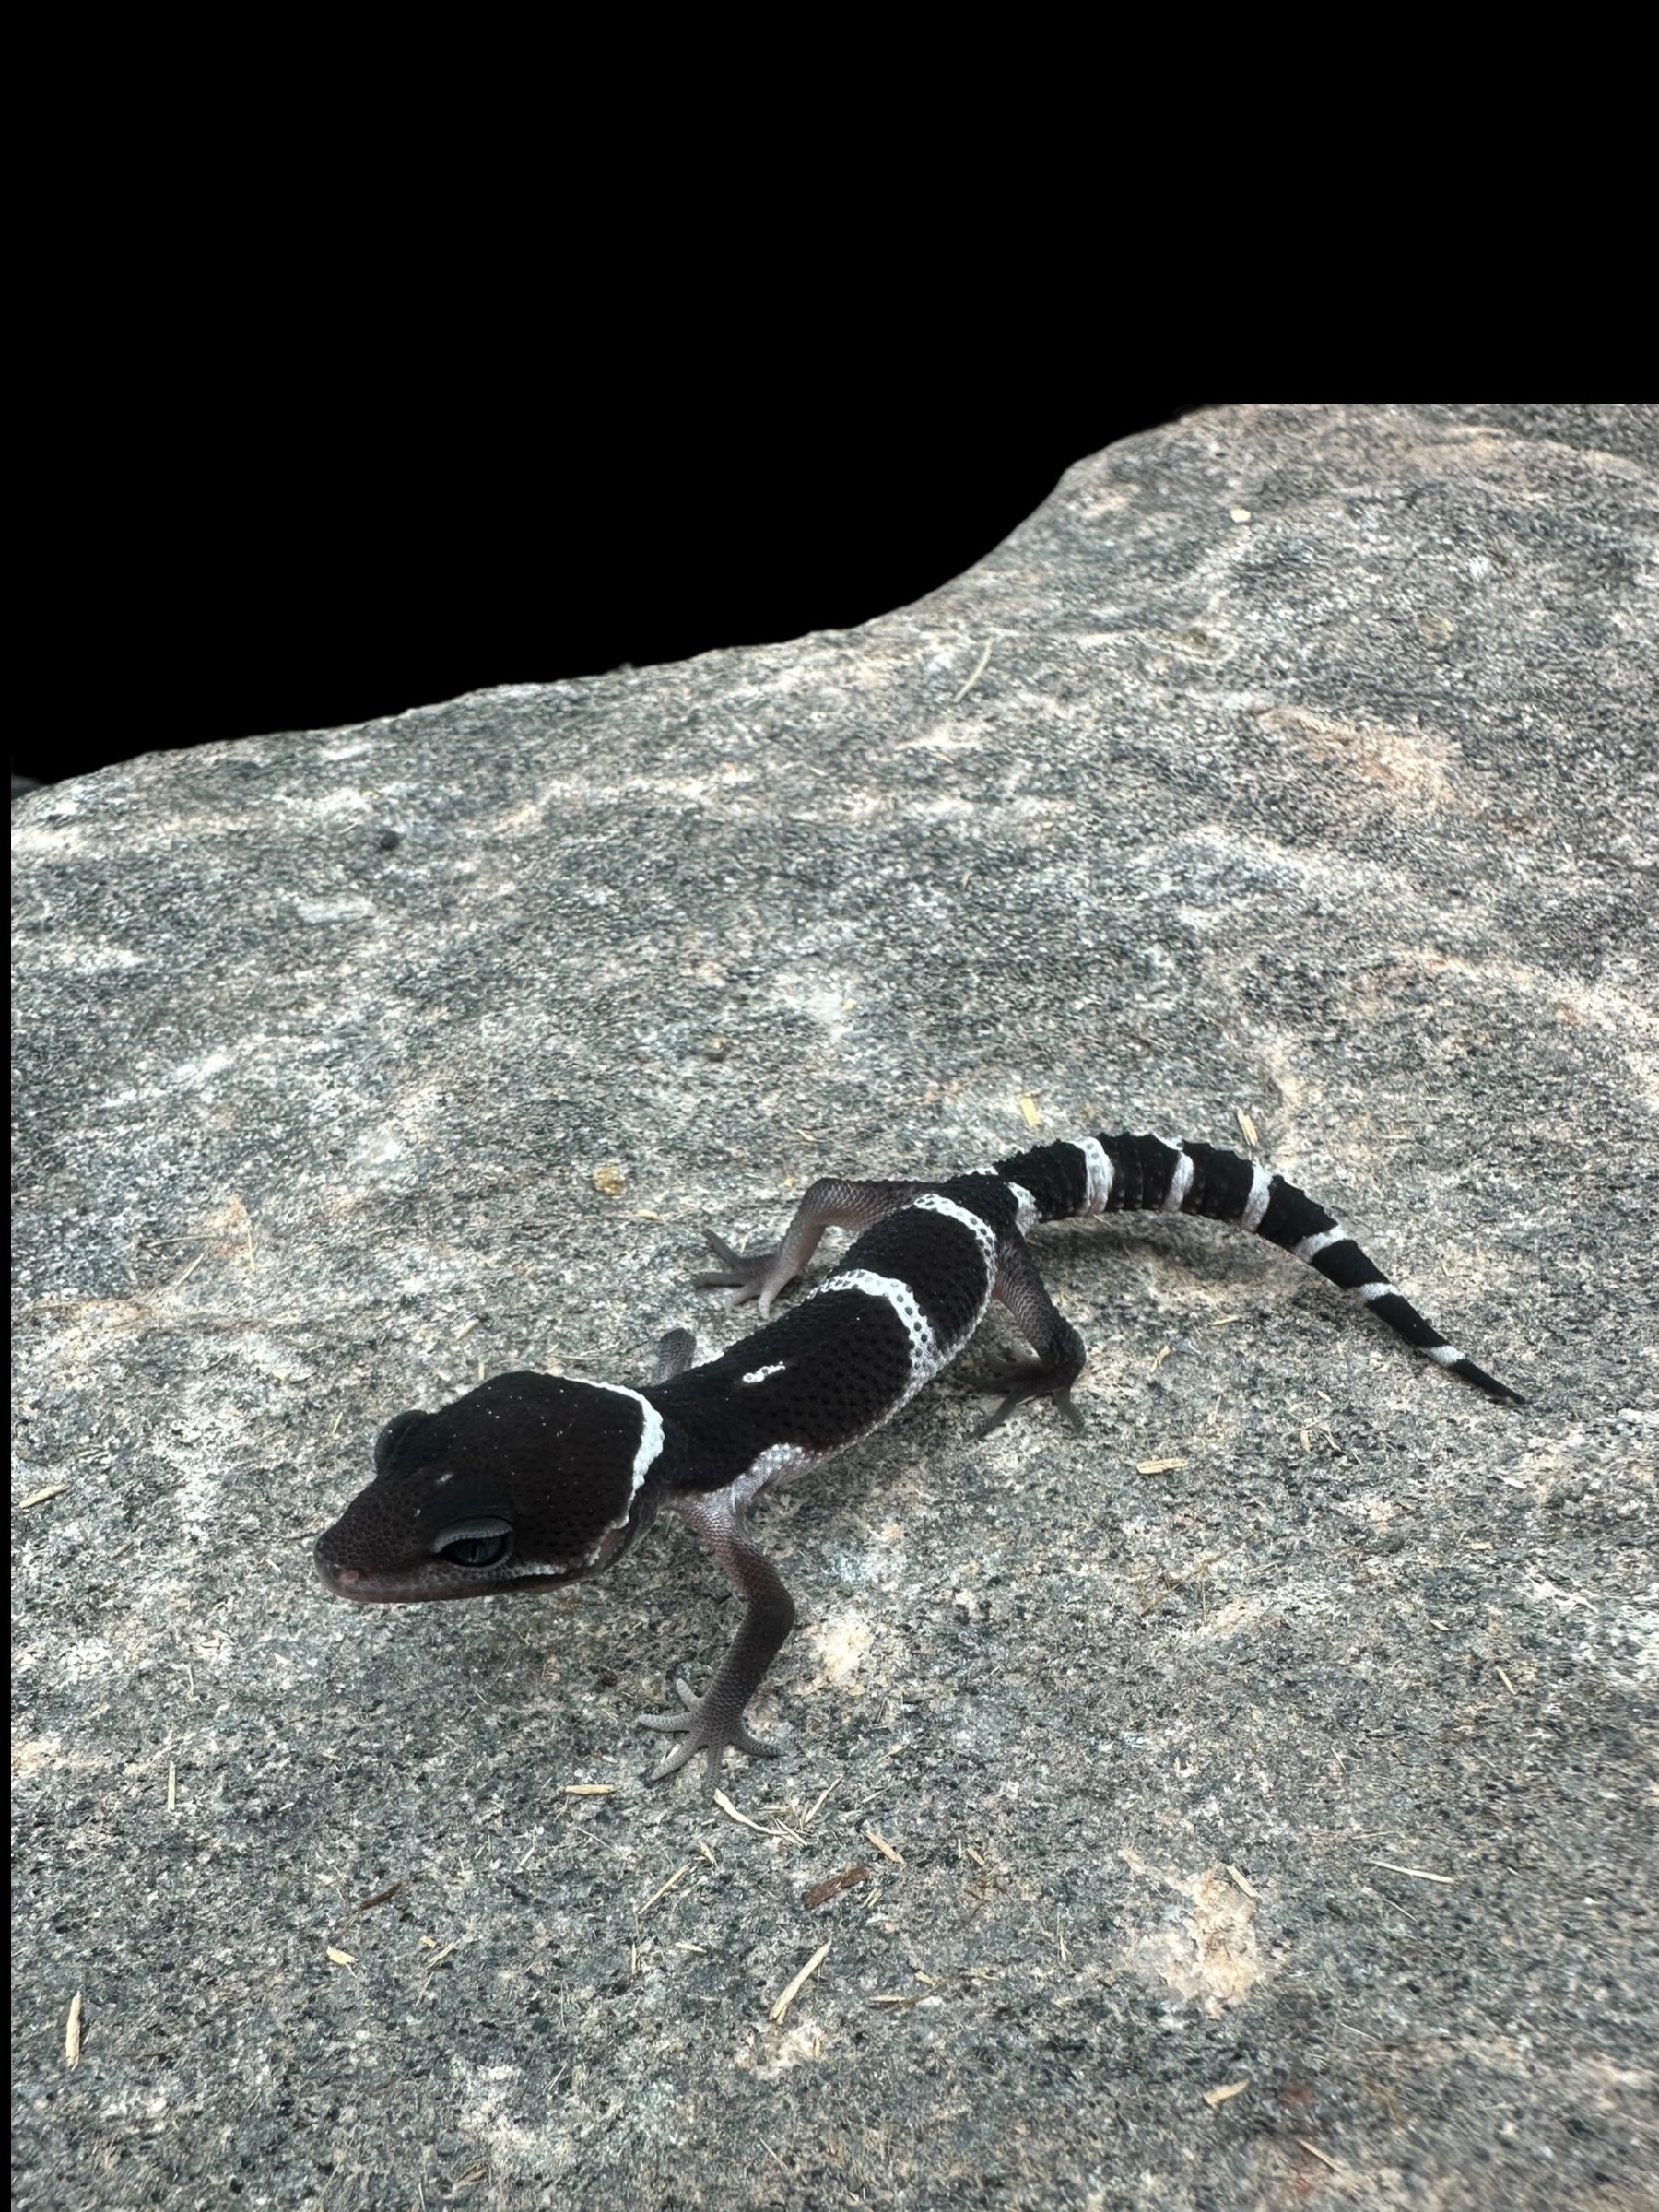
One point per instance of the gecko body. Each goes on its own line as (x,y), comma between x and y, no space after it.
(534,1480)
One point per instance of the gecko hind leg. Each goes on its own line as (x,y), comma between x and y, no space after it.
(1060,1355)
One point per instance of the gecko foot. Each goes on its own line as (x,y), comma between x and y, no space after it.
(1021,1378)
(752,1276)
(710,1725)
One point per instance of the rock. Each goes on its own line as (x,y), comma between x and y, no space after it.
(1291,762)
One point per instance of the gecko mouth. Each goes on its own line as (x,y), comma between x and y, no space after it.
(432,1580)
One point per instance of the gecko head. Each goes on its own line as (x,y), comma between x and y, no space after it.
(527,1482)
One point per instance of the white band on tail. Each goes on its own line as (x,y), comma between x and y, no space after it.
(1311,1245)
(1098,1168)
(1181,1182)
(1255,1206)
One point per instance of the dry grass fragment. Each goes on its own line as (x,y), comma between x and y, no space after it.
(791,1991)
(979,667)
(1027,1107)
(1247,1128)
(1158,1467)
(743,1820)
(818,1804)
(884,1847)
(72,2031)
(1417,1873)
(1228,2089)
(1314,2151)
(678,1876)
(40,1497)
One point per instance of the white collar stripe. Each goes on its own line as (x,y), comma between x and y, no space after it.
(651,1429)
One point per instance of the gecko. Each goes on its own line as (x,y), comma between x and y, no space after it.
(531,1481)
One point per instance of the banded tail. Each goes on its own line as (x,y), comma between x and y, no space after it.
(1141,1175)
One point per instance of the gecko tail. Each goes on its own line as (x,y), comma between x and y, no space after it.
(1109,1174)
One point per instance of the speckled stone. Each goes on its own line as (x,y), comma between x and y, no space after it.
(1285,1730)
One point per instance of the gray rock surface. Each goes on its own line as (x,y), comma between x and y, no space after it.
(1310,774)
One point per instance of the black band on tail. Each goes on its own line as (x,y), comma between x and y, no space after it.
(1056,1175)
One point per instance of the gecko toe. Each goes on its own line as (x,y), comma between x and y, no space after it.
(670,1723)
(676,1760)
(727,1256)
(751,1746)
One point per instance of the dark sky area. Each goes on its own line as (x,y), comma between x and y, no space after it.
(256,572)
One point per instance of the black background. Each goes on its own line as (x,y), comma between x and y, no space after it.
(252,571)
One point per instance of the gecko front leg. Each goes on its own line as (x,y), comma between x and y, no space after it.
(713,1723)
(833,1202)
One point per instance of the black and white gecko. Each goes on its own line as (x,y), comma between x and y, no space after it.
(531,1480)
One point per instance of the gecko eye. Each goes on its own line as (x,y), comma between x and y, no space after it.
(474,1544)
